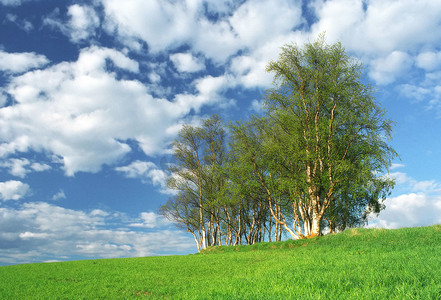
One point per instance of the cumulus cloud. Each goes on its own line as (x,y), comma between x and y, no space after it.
(256,22)
(429,60)
(145,170)
(162,24)
(249,69)
(411,184)
(186,62)
(38,232)
(40,167)
(167,25)
(59,195)
(386,70)
(13,190)
(21,62)
(382,33)
(151,220)
(390,37)
(17,167)
(408,210)
(427,91)
(257,106)
(82,24)
(378,27)
(417,204)
(82,113)
(21,166)
(413,92)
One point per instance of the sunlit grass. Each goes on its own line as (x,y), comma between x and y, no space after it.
(355,264)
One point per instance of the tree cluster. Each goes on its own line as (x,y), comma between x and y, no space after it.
(314,160)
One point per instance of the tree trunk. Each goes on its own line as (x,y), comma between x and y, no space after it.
(197,242)
(315,228)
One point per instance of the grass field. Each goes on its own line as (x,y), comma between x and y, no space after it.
(355,264)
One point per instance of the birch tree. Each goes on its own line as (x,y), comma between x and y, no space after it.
(199,180)
(188,177)
(331,127)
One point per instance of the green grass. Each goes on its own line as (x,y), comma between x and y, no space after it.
(355,264)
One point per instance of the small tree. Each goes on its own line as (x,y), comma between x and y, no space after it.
(182,211)
(199,181)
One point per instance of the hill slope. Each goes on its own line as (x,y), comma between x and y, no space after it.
(355,264)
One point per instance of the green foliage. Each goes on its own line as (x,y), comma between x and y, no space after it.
(316,159)
(330,133)
(355,264)
(199,180)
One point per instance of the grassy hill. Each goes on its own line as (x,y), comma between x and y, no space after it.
(355,264)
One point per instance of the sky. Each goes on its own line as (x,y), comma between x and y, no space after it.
(93,92)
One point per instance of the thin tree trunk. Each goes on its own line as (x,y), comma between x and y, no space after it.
(196,240)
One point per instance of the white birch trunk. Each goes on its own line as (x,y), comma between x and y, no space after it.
(315,230)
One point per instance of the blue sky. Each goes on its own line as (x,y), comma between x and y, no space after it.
(93,92)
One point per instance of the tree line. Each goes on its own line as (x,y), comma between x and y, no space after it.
(315,159)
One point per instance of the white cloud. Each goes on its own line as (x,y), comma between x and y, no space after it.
(385,25)
(40,167)
(23,24)
(148,170)
(337,18)
(415,93)
(429,61)
(386,70)
(38,232)
(256,22)
(257,106)
(167,25)
(396,166)
(249,69)
(32,235)
(154,77)
(151,220)
(210,86)
(21,166)
(408,210)
(427,92)
(21,62)
(82,24)
(136,168)
(13,190)
(210,91)
(405,181)
(83,114)
(162,24)
(186,62)
(17,167)
(417,204)
(251,28)
(216,41)
(59,195)
(388,36)
(12,2)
